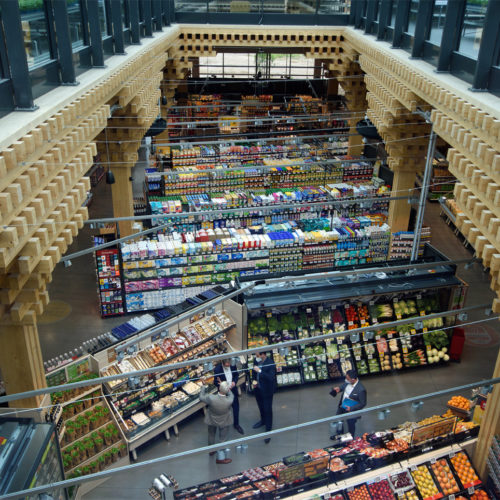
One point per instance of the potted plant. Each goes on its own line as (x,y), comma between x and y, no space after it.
(102,462)
(89,448)
(99,444)
(82,451)
(115,435)
(108,438)
(88,414)
(122,450)
(69,434)
(75,456)
(87,402)
(78,406)
(114,454)
(94,467)
(86,470)
(78,430)
(85,426)
(93,422)
(107,458)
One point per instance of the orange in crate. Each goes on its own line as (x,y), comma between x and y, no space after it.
(464,470)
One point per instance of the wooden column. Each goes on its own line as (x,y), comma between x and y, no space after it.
(355,140)
(399,210)
(21,362)
(333,86)
(490,426)
(123,199)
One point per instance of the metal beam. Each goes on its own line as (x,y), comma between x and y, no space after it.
(422,27)
(157,12)
(18,62)
(370,15)
(95,34)
(401,22)
(488,50)
(64,45)
(134,22)
(117,26)
(451,31)
(261,435)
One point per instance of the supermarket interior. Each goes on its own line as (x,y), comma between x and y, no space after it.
(301,198)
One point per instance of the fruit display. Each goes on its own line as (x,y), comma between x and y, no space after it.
(381,490)
(464,470)
(445,478)
(359,493)
(401,481)
(480,495)
(460,402)
(424,482)
(411,495)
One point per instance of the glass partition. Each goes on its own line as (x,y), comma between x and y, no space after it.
(34,26)
(394,9)
(472,27)
(190,5)
(334,7)
(412,17)
(103,21)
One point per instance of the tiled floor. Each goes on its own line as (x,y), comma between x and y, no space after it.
(76,286)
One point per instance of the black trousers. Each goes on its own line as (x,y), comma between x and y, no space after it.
(265,404)
(236,407)
(351,422)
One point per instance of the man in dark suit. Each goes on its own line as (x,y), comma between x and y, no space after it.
(353,398)
(264,386)
(224,372)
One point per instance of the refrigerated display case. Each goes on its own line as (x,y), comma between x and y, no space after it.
(29,457)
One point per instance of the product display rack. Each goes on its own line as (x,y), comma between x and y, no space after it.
(316,308)
(380,466)
(109,282)
(153,404)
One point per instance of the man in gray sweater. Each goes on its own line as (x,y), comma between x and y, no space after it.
(219,414)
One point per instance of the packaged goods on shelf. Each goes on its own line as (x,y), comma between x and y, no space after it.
(109,282)
(402,243)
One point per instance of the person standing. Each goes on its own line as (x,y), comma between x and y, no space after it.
(353,398)
(225,372)
(218,414)
(264,387)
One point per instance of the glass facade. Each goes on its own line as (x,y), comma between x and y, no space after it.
(412,17)
(35,32)
(472,27)
(437,23)
(75,24)
(103,21)
(394,9)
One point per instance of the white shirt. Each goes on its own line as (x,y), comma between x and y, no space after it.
(228,373)
(349,388)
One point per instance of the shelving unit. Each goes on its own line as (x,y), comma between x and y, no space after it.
(109,282)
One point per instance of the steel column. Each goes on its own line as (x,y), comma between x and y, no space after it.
(18,62)
(134,21)
(360,6)
(423,195)
(116,24)
(383,18)
(451,31)
(95,34)
(488,49)
(64,46)
(370,15)
(157,12)
(400,22)
(148,21)
(352,11)
(422,27)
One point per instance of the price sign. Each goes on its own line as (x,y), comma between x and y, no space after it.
(285,332)
(396,300)
(320,308)
(350,323)
(389,335)
(424,329)
(269,314)
(370,356)
(413,331)
(372,302)
(339,341)
(419,296)
(433,460)
(308,310)
(358,358)
(470,490)
(413,468)
(422,313)
(405,350)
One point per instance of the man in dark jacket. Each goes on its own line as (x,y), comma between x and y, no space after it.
(353,398)
(264,386)
(225,372)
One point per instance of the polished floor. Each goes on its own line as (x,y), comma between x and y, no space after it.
(75,286)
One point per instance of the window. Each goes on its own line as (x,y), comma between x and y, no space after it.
(437,23)
(35,32)
(103,21)
(394,9)
(472,27)
(75,23)
(125,14)
(412,17)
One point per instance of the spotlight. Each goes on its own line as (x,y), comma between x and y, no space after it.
(92,225)
(110,177)
(468,265)
(411,272)
(382,415)
(120,355)
(67,263)
(234,361)
(418,325)
(463,316)
(488,312)
(416,405)
(131,350)
(164,333)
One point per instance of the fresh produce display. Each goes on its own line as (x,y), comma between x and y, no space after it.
(445,478)
(401,481)
(424,482)
(480,495)
(460,402)
(381,490)
(464,470)
(359,493)
(411,495)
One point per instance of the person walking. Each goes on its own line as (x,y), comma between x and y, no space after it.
(264,387)
(218,414)
(353,398)
(225,372)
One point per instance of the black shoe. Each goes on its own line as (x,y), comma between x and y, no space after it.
(239,429)
(267,440)
(258,424)
(334,437)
